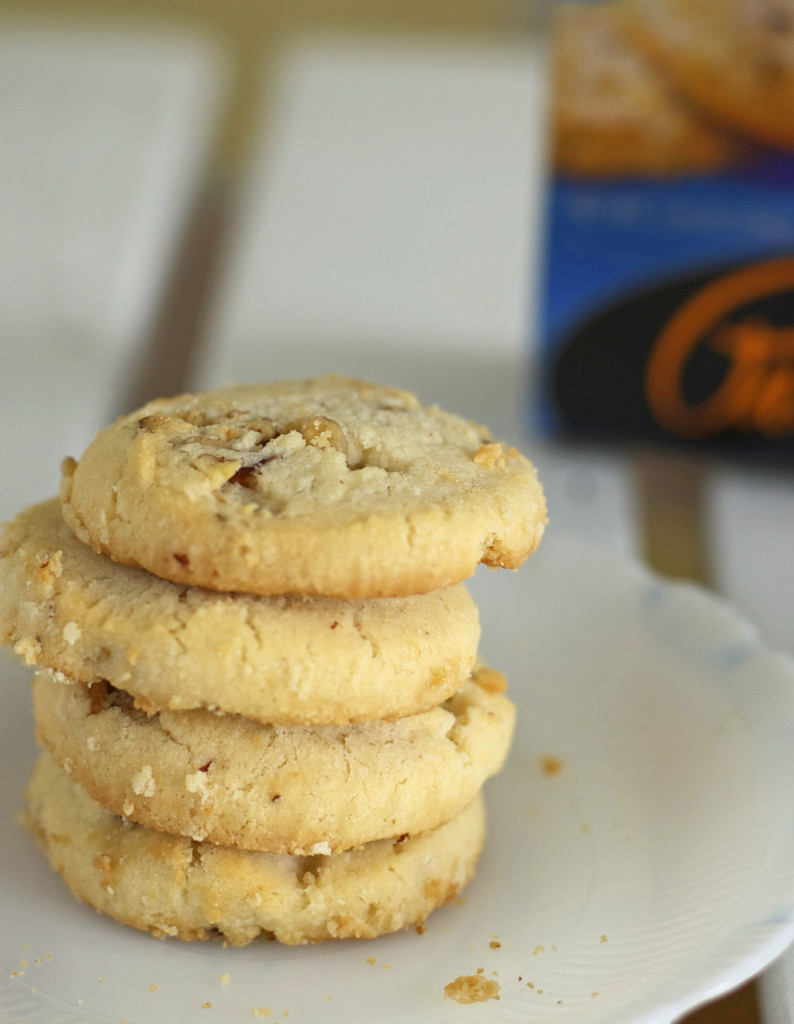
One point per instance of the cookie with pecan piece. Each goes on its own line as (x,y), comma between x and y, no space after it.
(327,486)
(280,789)
(168,885)
(285,660)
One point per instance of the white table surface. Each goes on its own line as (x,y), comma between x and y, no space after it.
(104,137)
(390,230)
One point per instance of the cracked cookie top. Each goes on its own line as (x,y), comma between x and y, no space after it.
(288,660)
(328,487)
(172,885)
(280,789)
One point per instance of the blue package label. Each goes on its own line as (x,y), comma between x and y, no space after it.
(667,303)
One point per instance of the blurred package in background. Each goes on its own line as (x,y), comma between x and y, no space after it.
(667,305)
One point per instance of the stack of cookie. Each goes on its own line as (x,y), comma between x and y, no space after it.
(256,683)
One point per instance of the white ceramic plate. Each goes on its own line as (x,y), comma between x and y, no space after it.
(652,870)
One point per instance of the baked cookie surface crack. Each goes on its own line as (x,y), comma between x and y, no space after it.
(327,487)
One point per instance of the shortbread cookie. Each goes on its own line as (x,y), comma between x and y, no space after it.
(168,885)
(327,486)
(614,113)
(274,659)
(734,59)
(280,789)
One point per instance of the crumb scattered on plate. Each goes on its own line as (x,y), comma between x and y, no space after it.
(472,988)
(551,765)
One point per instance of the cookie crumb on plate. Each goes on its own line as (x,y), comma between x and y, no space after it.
(472,988)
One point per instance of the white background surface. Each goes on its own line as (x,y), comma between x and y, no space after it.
(104,138)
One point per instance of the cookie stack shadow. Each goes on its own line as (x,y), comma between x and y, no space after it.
(224,763)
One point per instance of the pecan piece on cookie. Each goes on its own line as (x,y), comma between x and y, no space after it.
(338,488)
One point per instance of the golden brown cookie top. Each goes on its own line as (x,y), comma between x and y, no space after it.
(288,660)
(170,885)
(326,486)
(281,789)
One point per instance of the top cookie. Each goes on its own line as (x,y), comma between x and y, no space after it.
(277,659)
(328,487)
